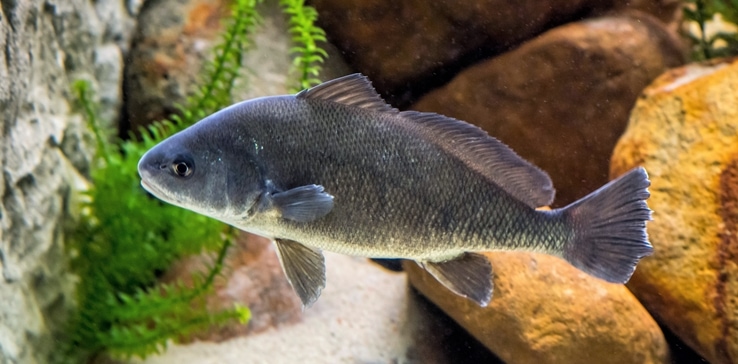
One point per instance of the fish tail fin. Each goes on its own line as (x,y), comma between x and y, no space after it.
(609,228)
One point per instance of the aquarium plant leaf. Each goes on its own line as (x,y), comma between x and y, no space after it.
(124,239)
(306,35)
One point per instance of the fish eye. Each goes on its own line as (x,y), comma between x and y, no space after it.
(182,168)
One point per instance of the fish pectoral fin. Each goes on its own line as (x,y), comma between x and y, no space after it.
(304,268)
(468,275)
(304,203)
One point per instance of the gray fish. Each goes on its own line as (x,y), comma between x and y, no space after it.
(335,168)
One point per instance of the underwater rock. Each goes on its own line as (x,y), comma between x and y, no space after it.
(365,314)
(562,99)
(45,147)
(683,130)
(253,278)
(172,41)
(175,39)
(401,44)
(508,23)
(545,311)
(669,12)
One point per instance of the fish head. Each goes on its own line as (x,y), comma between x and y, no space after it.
(199,170)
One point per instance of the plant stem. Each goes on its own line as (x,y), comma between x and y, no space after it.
(701,18)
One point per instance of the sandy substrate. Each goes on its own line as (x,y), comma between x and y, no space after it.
(364,315)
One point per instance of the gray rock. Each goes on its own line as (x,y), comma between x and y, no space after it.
(46,46)
(268,64)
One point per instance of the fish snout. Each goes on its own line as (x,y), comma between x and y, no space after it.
(149,166)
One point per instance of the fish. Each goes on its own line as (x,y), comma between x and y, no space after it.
(336,168)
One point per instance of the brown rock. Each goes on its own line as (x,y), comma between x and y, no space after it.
(684,132)
(172,41)
(562,100)
(668,11)
(176,38)
(364,315)
(252,278)
(398,43)
(505,21)
(511,22)
(546,311)
(394,42)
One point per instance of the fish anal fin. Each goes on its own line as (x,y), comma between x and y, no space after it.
(353,90)
(303,204)
(304,268)
(486,155)
(468,275)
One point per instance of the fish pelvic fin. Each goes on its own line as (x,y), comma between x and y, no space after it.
(609,228)
(304,268)
(468,275)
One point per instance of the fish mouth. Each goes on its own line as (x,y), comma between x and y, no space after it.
(160,194)
(151,189)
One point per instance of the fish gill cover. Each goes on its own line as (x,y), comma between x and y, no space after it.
(125,238)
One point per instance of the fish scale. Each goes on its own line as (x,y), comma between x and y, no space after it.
(336,168)
(412,206)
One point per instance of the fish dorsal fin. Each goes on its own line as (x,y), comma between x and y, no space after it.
(487,156)
(353,90)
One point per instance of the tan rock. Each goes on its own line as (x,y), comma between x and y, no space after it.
(684,131)
(562,100)
(545,311)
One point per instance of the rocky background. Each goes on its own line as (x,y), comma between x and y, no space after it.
(45,149)
(684,130)
(584,89)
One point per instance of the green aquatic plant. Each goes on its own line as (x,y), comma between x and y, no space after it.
(707,44)
(125,238)
(305,34)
